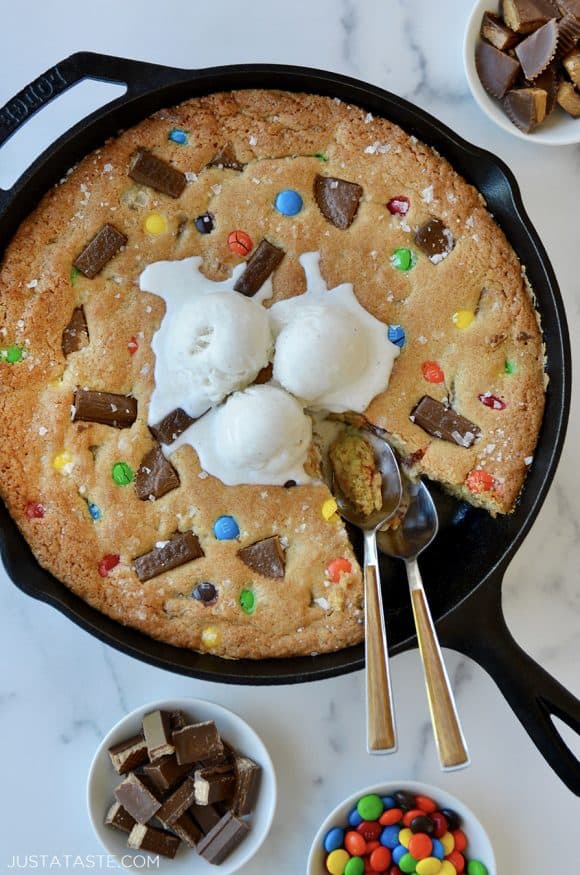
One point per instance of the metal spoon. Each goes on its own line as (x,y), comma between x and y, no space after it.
(416,532)
(381,733)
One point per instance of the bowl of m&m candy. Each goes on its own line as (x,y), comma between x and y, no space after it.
(401,828)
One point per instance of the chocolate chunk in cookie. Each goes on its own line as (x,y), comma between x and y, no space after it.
(443,422)
(171,426)
(337,200)
(435,239)
(100,250)
(225,159)
(148,169)
(265,557)
(264,261)
(182,547)
(107,408)
(155,476)
(76,334)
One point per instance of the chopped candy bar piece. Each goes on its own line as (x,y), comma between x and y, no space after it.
(187,830)
(137,799)
(266,557)
(128,755)
(147,838)
(197,742)
(155,476)
(569,99)
(76,334)
(157,732)
(181,548)
(164,773)
(214,784)
(443,422)
(102,248)
(435,239)
(119,411)
(177,804)
(225,158)
(148,169)
(526,107)
(259,266)
(495,32)
(568,34)
(171,426)
(247,782)
(205,816)
(337,200)
(498,72)
(225,836)
(119,818)
(572,65)
(538,49)
(524,16)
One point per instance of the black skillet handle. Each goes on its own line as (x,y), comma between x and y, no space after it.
(138,76)
(478,629)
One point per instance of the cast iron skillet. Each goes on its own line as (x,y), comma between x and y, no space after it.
(465,565)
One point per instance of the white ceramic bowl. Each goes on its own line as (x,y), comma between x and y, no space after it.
(103,779)
(479,847)
(559,130)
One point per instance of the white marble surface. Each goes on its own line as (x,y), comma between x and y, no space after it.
(61,690)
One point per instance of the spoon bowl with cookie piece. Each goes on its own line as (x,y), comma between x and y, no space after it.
(366,482)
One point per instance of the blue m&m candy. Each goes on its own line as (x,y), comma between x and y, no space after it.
(398,854)
(389,837)
(226,528)
(397,335)
(178,136)
(333,839)
(95,511)
(354,818)
(288,202)
(437,850)
(389,801)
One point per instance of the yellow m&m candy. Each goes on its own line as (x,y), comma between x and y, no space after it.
(210,637)
(63,462)
(336,861)
(405,837)
(448,842)
(329,508)
(463,318)
(428,866)
(155,224)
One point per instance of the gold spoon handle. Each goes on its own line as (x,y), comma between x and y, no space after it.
(381,734)
(449,738)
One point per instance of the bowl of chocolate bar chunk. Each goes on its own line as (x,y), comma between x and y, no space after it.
(522,61)
(186,782)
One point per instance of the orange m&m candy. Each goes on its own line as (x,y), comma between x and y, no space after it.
(432,372)
(240,242)
(337,567)
(355,843)
(479,481)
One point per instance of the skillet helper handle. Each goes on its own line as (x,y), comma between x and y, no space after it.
(137,75)
(381,734)
(533,694)
(449,737)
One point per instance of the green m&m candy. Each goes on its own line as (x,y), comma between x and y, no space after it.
(510,367)
(247,601)
(407,863)
(122,473)
(475,867)
(12,354)
(355,866)
(403,259)
(370,807)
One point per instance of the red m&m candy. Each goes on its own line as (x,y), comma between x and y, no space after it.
(391,816)
(492,401)
(370,830)
(240,242)
(432,372)
(337,567)
(456,859)
(34,510)
(440,824)
(107,564)
(380,859)
(399,206)
(133,346)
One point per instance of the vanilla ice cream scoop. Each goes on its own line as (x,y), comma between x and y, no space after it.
(330,352)
(260,435)
(212,340)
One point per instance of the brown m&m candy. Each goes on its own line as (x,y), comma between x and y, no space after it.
(498,72)
(526,107)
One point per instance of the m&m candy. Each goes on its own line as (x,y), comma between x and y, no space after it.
(210,637)
(399,206)
(403,259)
(248,601)
(34,510)
(492,401)
(432,372)
(205,592)
(463,318)
(382,840)
(107,563)
(396,334)
(478,481)
(178,136)
(122,473)
(288,202)
(155,224)
(240,242)
(337,567)
(226,528)
(205,223)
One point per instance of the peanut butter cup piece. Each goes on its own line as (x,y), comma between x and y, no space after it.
(498,72)
(569,99)
(76,334)
(435,239)
(572,66)
(265,557)
(526,107)
(570,7)
(337,200)
(494,31)
(548,81)
(538,50)
(568,34)
(525,16)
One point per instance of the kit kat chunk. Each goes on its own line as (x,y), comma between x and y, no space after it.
(171,426)
(177,804)
(266,557)
(102,248)
(225,836)
(248,774)
(164,773)
(225,159)
(187,830)
(137,799)
(157,731)
(199,741)
(205,816)
(119,411)
(337,200)
(263,261)
(182,547)
(148,169)
(214,784)
(129,754)
(147,838)
(443,422)
(155,476)
(119,818)
(76,334)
